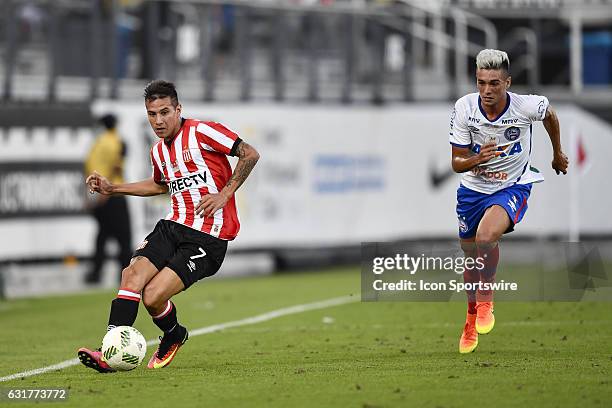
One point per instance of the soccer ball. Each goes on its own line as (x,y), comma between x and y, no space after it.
(123,348)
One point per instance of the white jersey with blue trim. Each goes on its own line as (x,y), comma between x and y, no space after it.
(511,130)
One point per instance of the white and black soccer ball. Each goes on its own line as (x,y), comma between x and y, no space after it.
(123,348)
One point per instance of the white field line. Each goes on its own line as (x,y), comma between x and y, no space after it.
(323,304)
(457,324)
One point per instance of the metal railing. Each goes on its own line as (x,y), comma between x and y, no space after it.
(223,50)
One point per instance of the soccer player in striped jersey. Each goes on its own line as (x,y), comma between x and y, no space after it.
(490,134)
(190,163)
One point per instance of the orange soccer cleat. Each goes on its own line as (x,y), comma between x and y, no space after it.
(469,337)
(167,349)
(485,320)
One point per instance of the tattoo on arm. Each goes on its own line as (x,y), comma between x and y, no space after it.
(244,166)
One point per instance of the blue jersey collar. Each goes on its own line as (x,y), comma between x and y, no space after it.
(498,116)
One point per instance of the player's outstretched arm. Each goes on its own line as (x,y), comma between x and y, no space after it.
(463,159)
(100,184)
(247,158)
(551,124)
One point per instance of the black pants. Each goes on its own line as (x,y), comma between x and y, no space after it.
(113,222)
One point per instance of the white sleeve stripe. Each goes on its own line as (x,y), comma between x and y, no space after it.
(158,161)
(216,135)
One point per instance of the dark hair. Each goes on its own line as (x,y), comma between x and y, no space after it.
(158,89)
(109,121)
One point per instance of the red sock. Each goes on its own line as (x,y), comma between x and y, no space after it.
(470,275)
(490,255)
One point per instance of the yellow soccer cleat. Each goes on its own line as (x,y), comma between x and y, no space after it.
(485,320)
(469,337)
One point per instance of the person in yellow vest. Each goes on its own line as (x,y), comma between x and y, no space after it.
(111,212)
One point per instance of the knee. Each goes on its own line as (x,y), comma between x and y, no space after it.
(469,248)
(153,298)
(130,279)
(485,238)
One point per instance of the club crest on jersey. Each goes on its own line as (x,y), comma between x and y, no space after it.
(512,133)
(187,155)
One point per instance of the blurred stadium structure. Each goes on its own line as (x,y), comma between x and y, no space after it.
(347,100)
(342,50)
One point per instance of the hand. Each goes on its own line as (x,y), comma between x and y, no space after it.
(487,152)
(560,163)
(99,184)
(209,204)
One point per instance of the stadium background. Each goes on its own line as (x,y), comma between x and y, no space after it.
(348,103)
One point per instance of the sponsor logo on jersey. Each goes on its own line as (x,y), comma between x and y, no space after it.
(490,175)
(509,121)
(473,120)
(507,150)
(187,182)
(512,133)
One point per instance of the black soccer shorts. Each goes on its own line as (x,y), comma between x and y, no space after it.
(193,255)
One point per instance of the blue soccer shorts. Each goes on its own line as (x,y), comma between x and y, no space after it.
(471,206)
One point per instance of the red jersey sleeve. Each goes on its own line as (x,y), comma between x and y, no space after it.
(214,136)
(158,176)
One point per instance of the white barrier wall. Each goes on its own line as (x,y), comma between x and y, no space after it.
(338,175)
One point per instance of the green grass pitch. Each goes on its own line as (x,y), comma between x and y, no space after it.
(353,355)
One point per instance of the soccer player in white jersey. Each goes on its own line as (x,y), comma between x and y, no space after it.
(491,138)
(189,162)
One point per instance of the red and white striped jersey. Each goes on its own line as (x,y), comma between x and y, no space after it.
(193,164)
